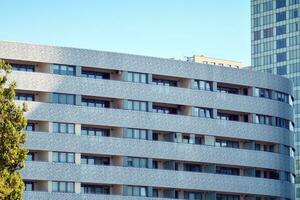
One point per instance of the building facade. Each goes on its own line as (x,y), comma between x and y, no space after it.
(214,61)
(105,125)
(275,28)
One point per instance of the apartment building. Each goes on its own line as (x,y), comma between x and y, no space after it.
(105,125)
(275,29)
(214,61)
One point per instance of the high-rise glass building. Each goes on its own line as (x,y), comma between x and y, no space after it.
(275,28)
(114,126)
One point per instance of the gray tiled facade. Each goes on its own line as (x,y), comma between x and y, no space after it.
(238,145)
(275,42)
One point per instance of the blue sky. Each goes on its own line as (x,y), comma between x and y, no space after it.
(162,28)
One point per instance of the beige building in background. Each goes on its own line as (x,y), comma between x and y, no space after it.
(214,61)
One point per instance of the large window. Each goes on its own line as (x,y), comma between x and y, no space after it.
(192,195)
(165,110)
(94,103)
(202,112)
(24,96)
(294,27)
(135,191)
(227,116)
(294,13)
(137,77)
(164,82)
(268,19)
(64,70)
(280,57)
(136,162)
(267,6)
(60,186)
(261,92)
(29,186)
(64,98)
(281,43)
(268,32)
(202,85)
(281,16)
(257,35)
(94,189)
(295,40)
(283,123)
(263,119)
(91,131)
(294,54)
(137,105)
(30,156)
(227,197)
(282,70)
(227,170)
(279,96)
(280,30)
(63,128)
(22,67)
(256,9)
(226,143)
(93,74)
(135,133)
(92,160)
(63,157)
(192,167)
(292,2)
(280,3)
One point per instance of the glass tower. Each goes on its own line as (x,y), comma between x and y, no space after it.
(275,48)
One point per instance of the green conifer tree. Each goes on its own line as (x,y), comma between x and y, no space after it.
(12,154)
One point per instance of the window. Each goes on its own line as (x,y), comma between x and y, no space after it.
(93,74)
(229,90)
(227,116)
(95,189)
(282,70)
(202,112)
(164,82)
(59,186)
(63,128)
(192,167)
(95,103)
(64,98)
(257,35)
(256,9)
(268,32)
(280,30)
(268,46)
(281,16)
(63,157)
(202,85)
(226,143)
(227,197)
(192,195)
(137,77)
(92,160)
(280,3)
(64,70)
(281,43)
(165,110)
(30,127)
(90,131)
(135,133)
(295,40)
(136,162)
(267,6)
(24,96)
(283,123)
(294,68)
(30,156)
(294,13)
(292,2)
(257,48)
(29,186)
(280,57)
(268,19)
(268,59)
(227,170)
(294,54)
(137,105)
(261,92)
(293,27)
(263,119)
(135,191)
(22,67)
(256,22)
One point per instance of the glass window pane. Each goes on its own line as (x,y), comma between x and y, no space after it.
(63,128)
(62,98)
(130,105)
(71,128)
(55,69)
(130,77)
(136,77)
(143,191)
(62,157)
(62,187)
(70,187)
(70,99)
(136,105)
(143,106)
(136,191)
(55,98)
(71,157)
(55,156)
(63,70)
(54,186)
